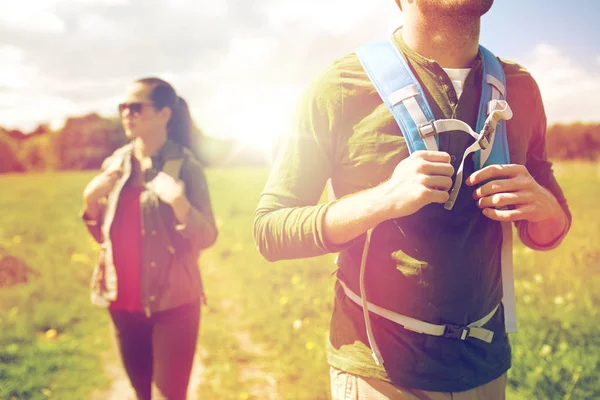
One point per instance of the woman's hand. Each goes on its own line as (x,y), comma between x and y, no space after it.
(98,188)
(172,192)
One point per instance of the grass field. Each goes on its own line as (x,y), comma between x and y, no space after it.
(263,332)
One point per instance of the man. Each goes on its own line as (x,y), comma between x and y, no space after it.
(424,262)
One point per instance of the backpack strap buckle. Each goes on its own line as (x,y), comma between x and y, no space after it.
(456,332)
(427,129)
(486,132)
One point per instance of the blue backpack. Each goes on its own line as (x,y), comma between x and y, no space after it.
(402,94)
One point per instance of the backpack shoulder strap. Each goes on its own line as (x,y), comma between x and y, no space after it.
(401,93)
(173,167)
(493,90)
(493,94)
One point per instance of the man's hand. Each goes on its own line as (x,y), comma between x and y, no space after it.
(513,195)
(420,179)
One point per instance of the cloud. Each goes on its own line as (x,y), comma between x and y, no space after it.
(47,107)
(13,73)
(569,89)
(81,54)
(336,17)
(69,57)
(34,20)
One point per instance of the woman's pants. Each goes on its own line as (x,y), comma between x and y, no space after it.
(158,352)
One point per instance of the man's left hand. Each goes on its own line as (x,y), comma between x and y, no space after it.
(511,194)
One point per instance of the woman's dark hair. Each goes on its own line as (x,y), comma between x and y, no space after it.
(180,127)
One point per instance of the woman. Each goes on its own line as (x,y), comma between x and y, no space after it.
(150,210)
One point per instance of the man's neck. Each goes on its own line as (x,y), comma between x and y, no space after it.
(452,42)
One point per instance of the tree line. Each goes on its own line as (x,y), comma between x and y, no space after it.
(83,142)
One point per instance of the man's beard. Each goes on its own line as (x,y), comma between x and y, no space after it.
(454,8)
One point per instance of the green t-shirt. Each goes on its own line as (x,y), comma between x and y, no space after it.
(435,265)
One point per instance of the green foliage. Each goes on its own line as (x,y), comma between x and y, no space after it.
(81,144)
(573,141)
(37,153)
(286,305)
(85,142)
(49,333)
(265,326)
(9,162)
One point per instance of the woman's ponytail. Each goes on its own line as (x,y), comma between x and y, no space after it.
(180,127)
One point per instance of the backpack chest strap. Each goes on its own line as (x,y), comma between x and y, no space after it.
(427,131)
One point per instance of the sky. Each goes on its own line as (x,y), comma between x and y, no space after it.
(242,64)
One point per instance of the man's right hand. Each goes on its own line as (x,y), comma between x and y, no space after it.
(98,188)
(422,178)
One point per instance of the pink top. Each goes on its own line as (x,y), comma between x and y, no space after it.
(126,237)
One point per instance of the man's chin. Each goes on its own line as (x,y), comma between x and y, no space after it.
(473,8)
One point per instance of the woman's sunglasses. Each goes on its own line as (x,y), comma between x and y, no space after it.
(134,108)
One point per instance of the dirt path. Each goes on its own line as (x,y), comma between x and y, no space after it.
(120,389)
(258,383)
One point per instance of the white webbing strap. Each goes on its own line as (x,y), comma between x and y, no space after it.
(494,106)
(497,110)
(365,304)
(508,279)
(406,96)
(474,330)
(502,111)
(497,85)
(402,94)
(446,125)
(459,175)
